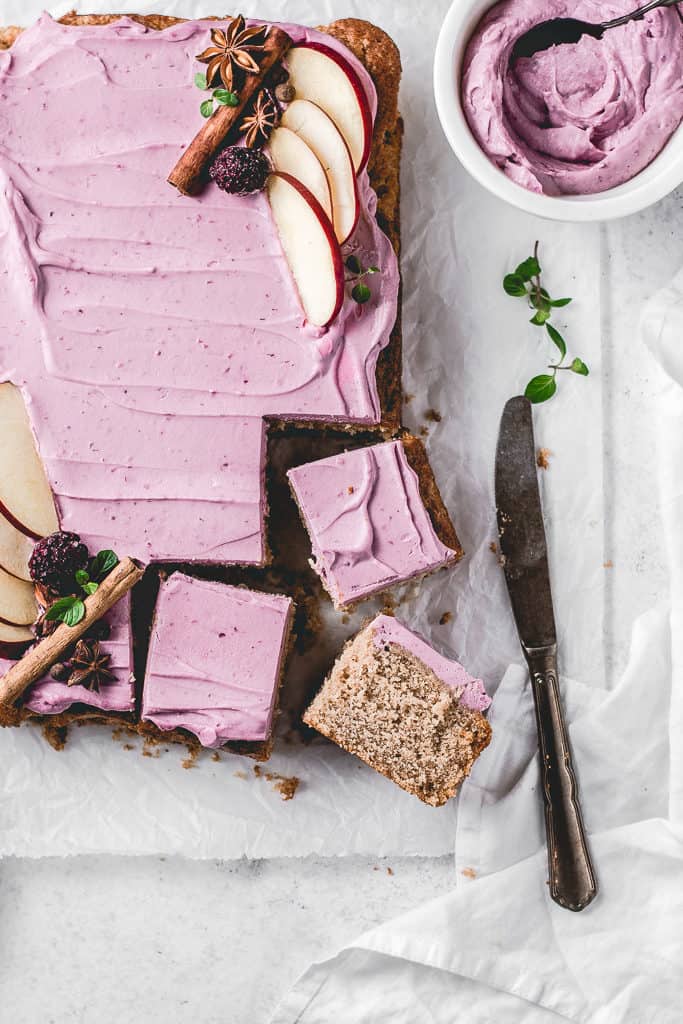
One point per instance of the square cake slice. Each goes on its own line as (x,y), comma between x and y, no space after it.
(375,518)
(406,710)
(216,658)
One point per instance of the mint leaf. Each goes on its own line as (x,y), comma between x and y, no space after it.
(578,366)
(206,109)
(528,269)
(102,564)
(372,270)
(226,98)
(540,317)
(558,339)
(514,285)
(353,264)
(559,302)
(200,81)
(82,576)
(541,388)
(69,610)
(90,588)
(360,293)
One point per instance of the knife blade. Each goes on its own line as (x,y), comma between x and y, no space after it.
(527,574)
(521,529)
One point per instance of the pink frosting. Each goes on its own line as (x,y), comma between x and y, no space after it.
(152,333)
(368,526)
(577,118)
(49,697)
(468,690)
(215,658)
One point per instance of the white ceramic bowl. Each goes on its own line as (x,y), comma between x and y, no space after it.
(663,175)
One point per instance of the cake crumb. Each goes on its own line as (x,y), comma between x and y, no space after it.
(286,786)
(493,547)
(608,565)
(129,746)
(433,416)
(191,760)
(390,871)
(445,618)
(118,733)
(350,489)
(408,397)
(346,618)
(240,775)
(543,458)
(150,747)
(469,872)
(424,431)
(56,735)
(215,756)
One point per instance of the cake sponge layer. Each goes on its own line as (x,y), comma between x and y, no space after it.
(385,704)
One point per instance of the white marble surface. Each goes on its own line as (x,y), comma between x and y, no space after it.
(93,940)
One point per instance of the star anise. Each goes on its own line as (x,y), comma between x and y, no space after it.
(232,49)
(260,123)
(89,667)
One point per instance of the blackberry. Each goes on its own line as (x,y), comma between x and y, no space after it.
(240,171)
(56,559)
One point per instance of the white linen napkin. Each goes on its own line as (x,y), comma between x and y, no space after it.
(497,948)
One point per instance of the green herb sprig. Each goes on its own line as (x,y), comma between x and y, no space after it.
(223,97)
(360,291)
(71,609)
(525,282)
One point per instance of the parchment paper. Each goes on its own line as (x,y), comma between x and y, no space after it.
(468,347)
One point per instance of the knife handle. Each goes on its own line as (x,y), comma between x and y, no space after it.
(572,879)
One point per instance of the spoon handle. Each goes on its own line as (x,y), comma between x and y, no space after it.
(651,6)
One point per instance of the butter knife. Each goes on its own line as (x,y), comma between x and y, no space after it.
(525,561)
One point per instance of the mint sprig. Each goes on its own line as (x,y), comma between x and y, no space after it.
(71,609)
(525,282)
(360,292)
(223,97)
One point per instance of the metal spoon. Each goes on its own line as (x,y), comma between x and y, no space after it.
(570,30)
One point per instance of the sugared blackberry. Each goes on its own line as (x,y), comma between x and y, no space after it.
(56,559)
(240,171)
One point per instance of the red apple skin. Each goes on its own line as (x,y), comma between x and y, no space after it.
(357,88)
(13,651)
(18,525)
(326,225)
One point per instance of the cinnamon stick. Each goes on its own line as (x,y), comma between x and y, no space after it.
(192,170)
(36,662)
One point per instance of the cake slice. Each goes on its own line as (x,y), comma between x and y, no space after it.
(375,518)
(407,711)
(216,660)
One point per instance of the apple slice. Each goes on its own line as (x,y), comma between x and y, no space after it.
(18,605)
(25,496)
(320,74)
(319,131)
(15,550)
(289,153)
(14,640)
(309,243)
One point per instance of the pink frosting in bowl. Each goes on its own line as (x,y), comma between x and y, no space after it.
(576,119)
(663,174)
